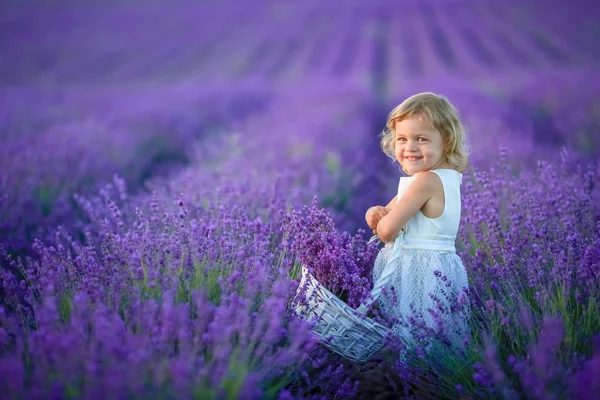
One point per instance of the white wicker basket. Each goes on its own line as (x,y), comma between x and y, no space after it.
(337,326)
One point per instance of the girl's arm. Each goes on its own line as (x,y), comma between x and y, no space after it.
(417,194)
(375,213)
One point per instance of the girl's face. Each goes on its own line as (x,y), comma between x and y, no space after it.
(418,145)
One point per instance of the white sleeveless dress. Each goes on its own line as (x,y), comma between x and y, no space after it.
(420,271)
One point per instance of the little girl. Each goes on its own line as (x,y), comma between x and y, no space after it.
(419,278)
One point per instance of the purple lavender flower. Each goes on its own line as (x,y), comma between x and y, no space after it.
(340,262)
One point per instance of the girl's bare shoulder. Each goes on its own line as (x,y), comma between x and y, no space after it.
(430,181)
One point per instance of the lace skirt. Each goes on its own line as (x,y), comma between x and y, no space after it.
(425,295)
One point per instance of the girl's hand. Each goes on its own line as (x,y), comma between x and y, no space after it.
(374,215)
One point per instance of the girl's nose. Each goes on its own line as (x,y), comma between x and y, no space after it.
(411,145)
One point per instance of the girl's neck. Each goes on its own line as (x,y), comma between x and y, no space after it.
(443,165)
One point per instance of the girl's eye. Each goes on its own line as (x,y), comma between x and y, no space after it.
(421,139)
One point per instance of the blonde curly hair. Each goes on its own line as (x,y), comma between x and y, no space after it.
(444,117)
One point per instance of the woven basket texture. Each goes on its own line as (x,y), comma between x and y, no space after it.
(336,324)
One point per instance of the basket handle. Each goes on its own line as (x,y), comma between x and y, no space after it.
(385,276)
(375,238)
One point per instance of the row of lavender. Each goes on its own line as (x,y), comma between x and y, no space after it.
(184,293)
(370,47)
(59,143)
(100,44)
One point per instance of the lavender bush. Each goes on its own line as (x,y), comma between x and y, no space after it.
(162,302)
(533,253)
(340,262)
(171,280)
(169,307)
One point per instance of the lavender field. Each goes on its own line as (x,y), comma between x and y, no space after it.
(155,156)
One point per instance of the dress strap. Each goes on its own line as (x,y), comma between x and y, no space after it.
(386,274)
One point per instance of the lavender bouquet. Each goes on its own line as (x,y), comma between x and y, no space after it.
(339,261)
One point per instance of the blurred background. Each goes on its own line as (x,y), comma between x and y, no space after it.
(93,89)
